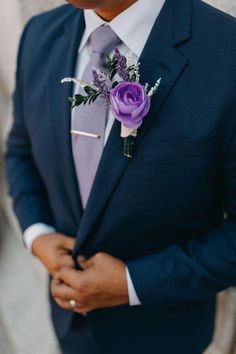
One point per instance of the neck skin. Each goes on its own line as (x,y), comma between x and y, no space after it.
(110,12)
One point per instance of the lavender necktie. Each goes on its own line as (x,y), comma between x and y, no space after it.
(92,119)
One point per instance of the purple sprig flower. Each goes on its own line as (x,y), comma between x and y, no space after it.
(102,82)
(121,65)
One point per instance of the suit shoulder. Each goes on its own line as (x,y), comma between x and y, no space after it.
(45,28)
(214,27)
(58,13)
(214,15)
(50,21)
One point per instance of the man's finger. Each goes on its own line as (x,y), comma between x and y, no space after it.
(85,263)
(69,243)
(67,261)
(55,281)
(64,304)
(70,276)
(62,291)
(67,306)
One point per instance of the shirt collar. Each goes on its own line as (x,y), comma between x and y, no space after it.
(133,26)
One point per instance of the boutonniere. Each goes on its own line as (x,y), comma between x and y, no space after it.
(129,100)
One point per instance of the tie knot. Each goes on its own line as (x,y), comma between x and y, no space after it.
(103,40)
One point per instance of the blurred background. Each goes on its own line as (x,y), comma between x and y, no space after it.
(25,325)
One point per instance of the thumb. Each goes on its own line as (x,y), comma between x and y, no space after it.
(84,262)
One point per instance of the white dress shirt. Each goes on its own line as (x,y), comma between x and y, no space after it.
(133,26)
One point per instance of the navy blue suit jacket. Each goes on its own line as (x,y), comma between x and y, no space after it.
(170,212)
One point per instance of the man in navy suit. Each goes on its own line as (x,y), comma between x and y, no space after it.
(137,268)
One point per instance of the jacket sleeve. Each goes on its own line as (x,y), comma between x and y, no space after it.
(26,187)
(200,268)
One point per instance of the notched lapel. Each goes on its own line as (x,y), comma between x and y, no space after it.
(159,59)
(63,63)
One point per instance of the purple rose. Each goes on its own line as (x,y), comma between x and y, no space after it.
(130,104)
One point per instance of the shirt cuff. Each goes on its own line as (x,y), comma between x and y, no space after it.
(133,297)
(34,231)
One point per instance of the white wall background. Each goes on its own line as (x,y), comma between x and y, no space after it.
(225,5)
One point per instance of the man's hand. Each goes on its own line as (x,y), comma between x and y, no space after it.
(102,283)
(54,251)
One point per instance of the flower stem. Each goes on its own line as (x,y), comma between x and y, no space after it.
(129,146)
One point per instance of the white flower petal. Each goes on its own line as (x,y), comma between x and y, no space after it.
(75,81)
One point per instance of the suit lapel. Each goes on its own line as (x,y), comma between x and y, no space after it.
(63,63)
(159,59)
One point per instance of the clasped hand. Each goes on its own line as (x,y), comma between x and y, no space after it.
(102,283)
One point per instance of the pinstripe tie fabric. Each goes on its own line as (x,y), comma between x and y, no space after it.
(87,151)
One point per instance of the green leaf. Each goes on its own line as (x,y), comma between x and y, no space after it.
(93,98)
(115,83)
(96,96)
(107,61)
(79,98)
(89,90)
(113,73)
